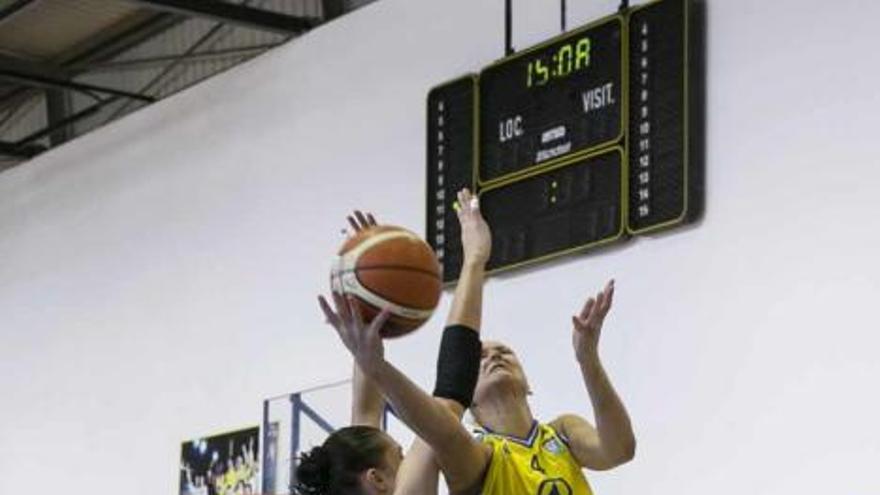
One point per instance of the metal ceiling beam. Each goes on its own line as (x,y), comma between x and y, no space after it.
(17,64)
(138,63)
(16,151)
(333,8)
(42,81)
(234,14)
(58,108)
(86,112)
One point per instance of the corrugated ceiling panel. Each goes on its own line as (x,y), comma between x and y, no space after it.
(69,22)
(49,28)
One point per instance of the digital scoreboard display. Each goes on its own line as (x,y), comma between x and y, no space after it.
(590,138)
(568,207)
(550,102)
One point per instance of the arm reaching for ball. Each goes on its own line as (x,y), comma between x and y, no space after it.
(459,354)
(367,403)
(462,458)
(418,473)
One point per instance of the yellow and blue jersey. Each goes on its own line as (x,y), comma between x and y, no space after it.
(541,464)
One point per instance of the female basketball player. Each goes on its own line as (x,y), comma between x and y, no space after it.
(362,459)
(515,454)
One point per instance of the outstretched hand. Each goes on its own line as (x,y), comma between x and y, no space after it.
(362,341)
(476,238)
(588,324)
(360,221)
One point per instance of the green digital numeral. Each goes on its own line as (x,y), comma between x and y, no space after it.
(542,71)
(563,65)
(582,54)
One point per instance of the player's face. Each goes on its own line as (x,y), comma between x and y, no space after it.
(499,366)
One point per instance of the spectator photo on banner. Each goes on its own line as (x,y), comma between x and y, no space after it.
(224,464)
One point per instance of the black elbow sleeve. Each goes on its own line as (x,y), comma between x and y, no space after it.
(458,364)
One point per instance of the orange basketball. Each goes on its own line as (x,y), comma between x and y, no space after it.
(386,266)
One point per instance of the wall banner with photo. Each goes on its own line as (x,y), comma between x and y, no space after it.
(222,464)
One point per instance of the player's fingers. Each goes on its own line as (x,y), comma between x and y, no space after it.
(337,302)
(588,307)
(353,223)
(362,220)
(475,203)
(470,202)
(609,297)
(355,311)
(341,307)
(371,220)
(585,326)
(328,312)
(596,314)
(577,323)
(342,331)
(379,322)
(602,309)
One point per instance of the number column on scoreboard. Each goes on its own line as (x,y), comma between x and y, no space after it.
(561,99)
(662,172)
(451,153)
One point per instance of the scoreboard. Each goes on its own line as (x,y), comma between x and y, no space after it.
(552,101)
(585,140)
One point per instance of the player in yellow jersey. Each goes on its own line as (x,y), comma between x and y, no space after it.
(539,464)
(515,455)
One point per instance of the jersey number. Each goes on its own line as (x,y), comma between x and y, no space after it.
(536,465)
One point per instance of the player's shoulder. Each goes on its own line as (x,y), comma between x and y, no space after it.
(565,426)
(567,421)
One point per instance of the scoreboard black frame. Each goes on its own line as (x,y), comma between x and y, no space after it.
(585,140)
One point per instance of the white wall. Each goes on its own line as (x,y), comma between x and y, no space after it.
(157,277)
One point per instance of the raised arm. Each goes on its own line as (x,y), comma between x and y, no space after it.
(476,242)
(459,356)
(367,403)
(612,441)
(462,458)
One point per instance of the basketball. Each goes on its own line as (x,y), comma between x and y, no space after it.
(386,266)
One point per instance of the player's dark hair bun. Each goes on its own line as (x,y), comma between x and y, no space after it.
(334,468)
(315,472)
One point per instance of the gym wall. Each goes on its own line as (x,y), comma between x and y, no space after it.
(158,277)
